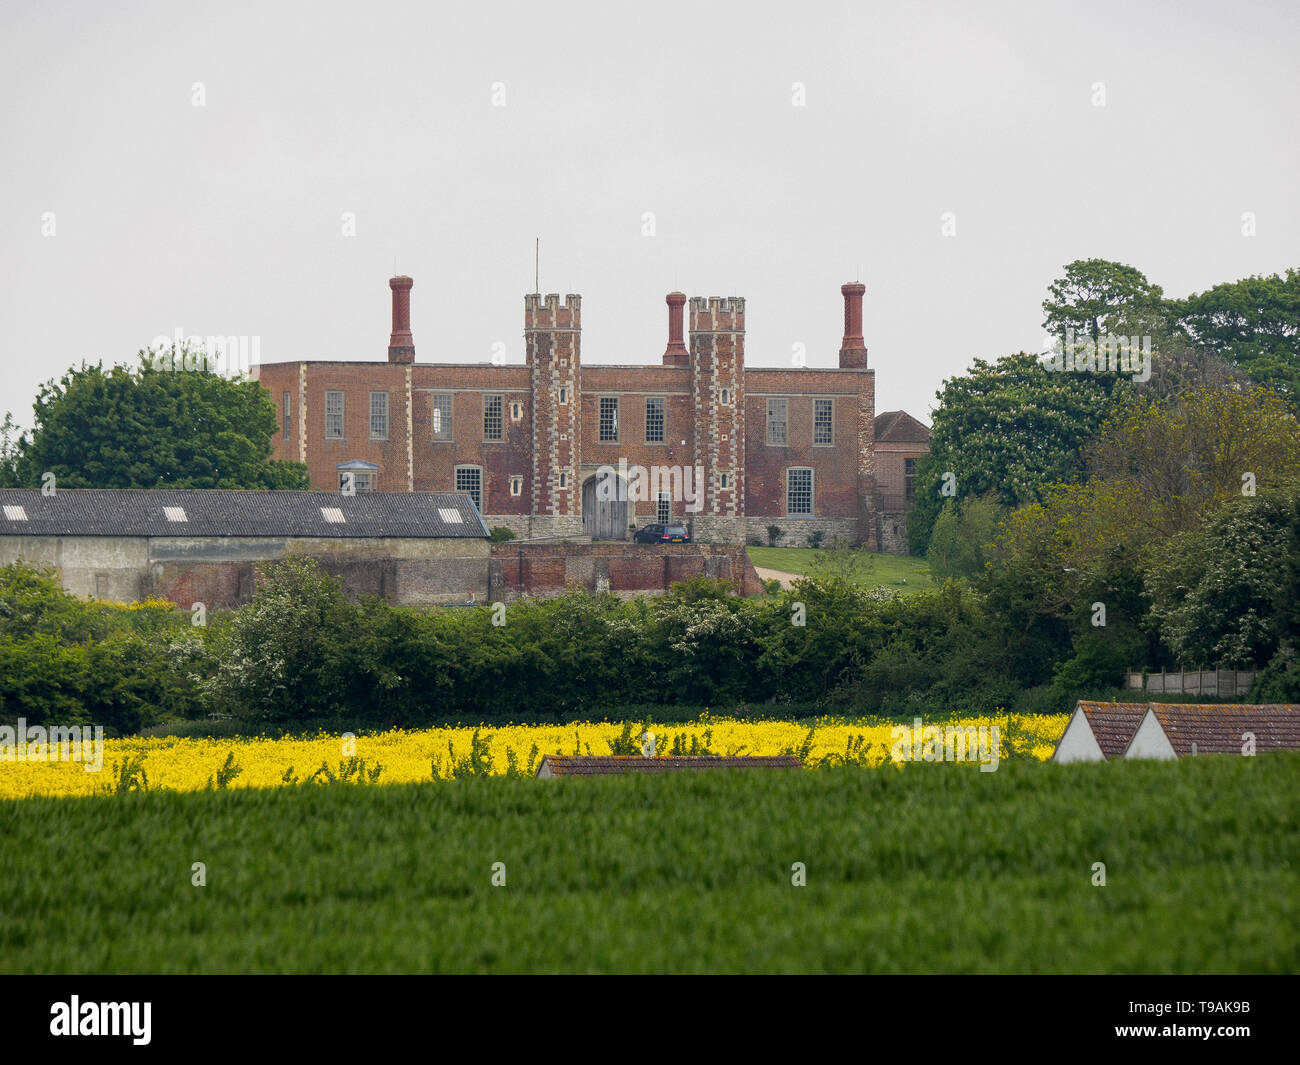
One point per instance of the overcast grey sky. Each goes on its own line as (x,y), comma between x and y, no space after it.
(226,218)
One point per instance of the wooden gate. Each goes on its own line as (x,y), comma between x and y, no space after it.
(604,519)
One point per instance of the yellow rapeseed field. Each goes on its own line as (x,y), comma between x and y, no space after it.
(406,756)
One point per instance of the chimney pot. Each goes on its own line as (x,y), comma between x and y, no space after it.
(853,349)
(675,354)
(401,345)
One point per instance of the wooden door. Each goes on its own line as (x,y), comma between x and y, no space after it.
(603,519)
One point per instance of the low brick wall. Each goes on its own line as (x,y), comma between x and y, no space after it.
(625,569)
(795,531)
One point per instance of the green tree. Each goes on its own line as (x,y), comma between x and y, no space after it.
(284,656)
(1161,469)
(66,660)
(1164,466)
(152,427)
(1254,322)
(1010,428)
(10,452)
(961,537)
(1095,296)
(1220,593)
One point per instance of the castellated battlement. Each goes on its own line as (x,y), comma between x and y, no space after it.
(717,314)
(546,312)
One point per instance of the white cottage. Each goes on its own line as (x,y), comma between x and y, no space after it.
(1177,730)
(1098,731)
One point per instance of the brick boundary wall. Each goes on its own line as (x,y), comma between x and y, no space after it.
(625,569)
(795,531)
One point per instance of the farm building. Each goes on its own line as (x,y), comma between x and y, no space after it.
(1177,730)
(188,546)
(1099,731)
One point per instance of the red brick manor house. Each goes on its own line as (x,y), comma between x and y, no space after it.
(729,450)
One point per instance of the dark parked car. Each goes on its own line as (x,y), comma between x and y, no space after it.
(661,534)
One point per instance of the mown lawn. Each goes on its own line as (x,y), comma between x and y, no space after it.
(934,868)
(901,573)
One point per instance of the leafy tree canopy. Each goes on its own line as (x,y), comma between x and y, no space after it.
(1217,591)
(1160,470)
(1254,322)
(151,427)
(1010,428)
(1096,297)
(962,533)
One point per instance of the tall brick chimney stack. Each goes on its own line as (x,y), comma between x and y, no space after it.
(676,354)
(853,349)
(401,345)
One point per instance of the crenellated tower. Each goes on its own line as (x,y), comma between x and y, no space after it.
(552,346)
(717,364)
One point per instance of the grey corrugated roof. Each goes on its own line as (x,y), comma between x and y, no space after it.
(140,512)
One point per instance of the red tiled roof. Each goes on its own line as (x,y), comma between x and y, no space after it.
(900,427)
(563,765)
(1218,728)
(1113,724)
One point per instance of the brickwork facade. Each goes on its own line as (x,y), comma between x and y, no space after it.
(547,569)
(724,449)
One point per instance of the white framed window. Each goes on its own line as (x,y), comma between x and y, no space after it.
(361,481)
(564,396)
(440,416)
(492,420)
(609,419)
(725,481)
(799,491)
(334,415)
(654,420)
(516,486)
(725,398)
(516,411)
(776,421)
(469,480)
(564,480)
(284,418)
(823,421)
(378,415)
(664,510)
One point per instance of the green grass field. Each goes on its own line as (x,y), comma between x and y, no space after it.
(881,571)
(935,868)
